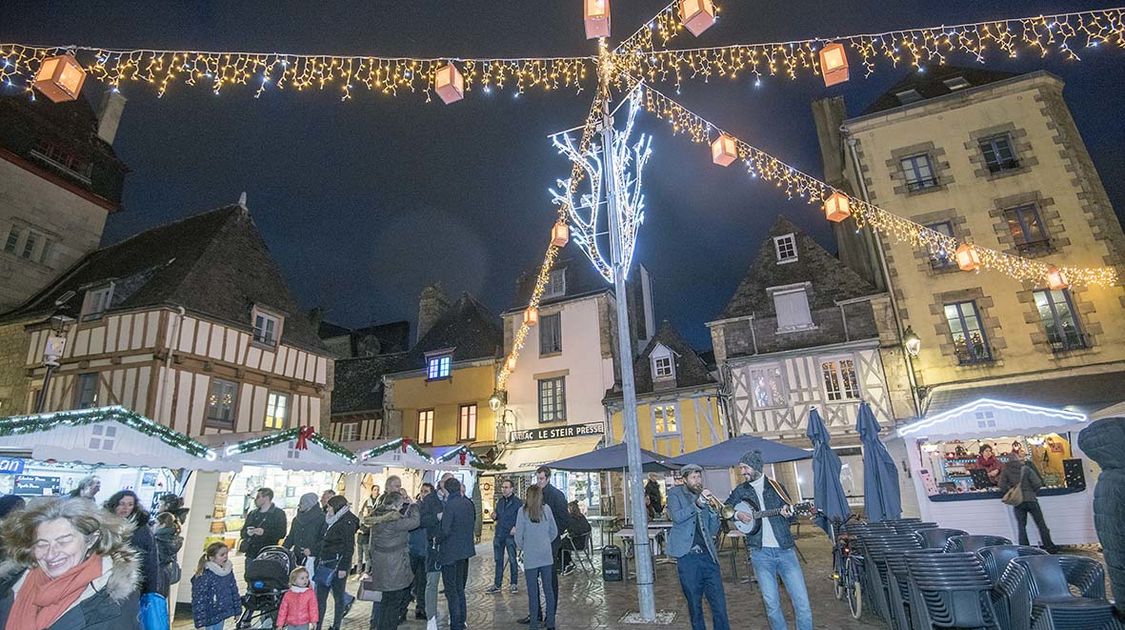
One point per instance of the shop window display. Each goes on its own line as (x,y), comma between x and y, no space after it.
(963,466)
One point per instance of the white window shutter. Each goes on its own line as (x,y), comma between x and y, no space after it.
(792,310)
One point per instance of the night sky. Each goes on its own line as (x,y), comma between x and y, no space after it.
(365,202)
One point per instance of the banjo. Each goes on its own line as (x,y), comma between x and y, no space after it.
(805,508)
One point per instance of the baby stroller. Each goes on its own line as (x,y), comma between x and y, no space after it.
(267,580)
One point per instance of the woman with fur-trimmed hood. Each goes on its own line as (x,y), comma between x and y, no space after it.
(71,567)
(390,570)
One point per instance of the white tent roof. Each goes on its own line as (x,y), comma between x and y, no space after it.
(395,453)
(988,417)
(279,448)
(111,436)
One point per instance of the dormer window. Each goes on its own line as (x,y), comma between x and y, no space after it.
(267,327)
(791,303)
(97,301)
(956,83)
(439,366)
(786,248)
(662,367)
(556,284)
(907,97)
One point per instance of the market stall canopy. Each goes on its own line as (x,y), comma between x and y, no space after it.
(460,456)
(989,417)
(292,449)
(726,454)
(372,455)
(112,436)
(1112,411)
(1083,394)
(522,457)
(612,458)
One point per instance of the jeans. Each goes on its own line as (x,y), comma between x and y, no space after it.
(499,545)
(387,614)
(771,563)
(1032,507)
(556,545)
(455,576)
(700,577)
(418,566)
(432,579)
(339,596)
(532,577)
(361,560)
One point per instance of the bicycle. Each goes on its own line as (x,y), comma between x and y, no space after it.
(847,569)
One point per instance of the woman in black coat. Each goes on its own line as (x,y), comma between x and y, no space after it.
(1102,441)
(127,505)
(307,531)
(336,552)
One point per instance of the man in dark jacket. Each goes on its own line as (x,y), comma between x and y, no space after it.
(456,547)
(1101,441)
(507,508)
(419,552)
(772,550)
(265,525)
(555,498)
(432,506)
(1027,477)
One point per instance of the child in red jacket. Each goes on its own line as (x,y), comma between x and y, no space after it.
(298,606)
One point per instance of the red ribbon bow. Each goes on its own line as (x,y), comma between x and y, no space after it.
(464,455)
(303,436)
(405,443)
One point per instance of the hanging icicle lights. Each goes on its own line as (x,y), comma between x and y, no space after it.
(795,183)
(1065,34)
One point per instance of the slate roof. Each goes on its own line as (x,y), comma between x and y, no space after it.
(468,327)
(390,337)
(214,264)
(690,370)
(929,84)
(359,382)
(1083,393)
(581,279)
(831,280)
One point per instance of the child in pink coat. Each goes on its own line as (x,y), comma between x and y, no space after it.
(298,606)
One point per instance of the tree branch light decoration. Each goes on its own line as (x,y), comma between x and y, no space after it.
(587,211)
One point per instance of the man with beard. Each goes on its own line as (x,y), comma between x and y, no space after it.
(692,543)
(772,550)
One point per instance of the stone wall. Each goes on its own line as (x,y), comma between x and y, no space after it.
(14,381)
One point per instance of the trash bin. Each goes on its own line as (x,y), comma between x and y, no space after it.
(611,564)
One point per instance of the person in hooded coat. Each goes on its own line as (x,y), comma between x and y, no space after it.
(127,505)
(390,570)
(1102,441)
(307,531)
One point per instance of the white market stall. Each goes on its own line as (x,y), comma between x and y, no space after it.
(469,468)
(949,487)
(399,456)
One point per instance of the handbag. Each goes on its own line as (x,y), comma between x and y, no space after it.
(367,592)
(154,612)
(172,572)
(325,573)
(1014,495)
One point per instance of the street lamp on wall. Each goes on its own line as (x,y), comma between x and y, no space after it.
(498,398)
(911,341)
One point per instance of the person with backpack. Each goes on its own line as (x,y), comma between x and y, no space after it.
(168,544)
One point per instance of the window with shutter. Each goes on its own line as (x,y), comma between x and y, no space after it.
(792,307)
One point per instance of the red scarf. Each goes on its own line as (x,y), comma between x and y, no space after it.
(42,600)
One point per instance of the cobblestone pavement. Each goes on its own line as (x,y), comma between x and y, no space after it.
(588,602)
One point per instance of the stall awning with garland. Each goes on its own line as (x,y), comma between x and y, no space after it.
(112,436)
(291,449)
(989,417)
(461,456)
(395,453)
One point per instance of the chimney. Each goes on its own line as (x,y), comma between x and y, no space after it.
(432,304)
(109,115)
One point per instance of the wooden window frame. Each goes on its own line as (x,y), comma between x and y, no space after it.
(267,314)
(840,393)
(423,438)
(970,356)
(219,423)
(462,434)
(559,407)
(543,327)
(777,248)
(288,410)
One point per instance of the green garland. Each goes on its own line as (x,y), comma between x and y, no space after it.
(22,425)
(290,435)
(392,445)
(474,460)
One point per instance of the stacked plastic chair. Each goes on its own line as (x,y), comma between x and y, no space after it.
(899,597)
(949,590)
(937,537)
(881,586)
(1045,598)
(972,542)
(1006,586)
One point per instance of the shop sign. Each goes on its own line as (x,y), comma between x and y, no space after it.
(38,486)
(11,466)
(558,433)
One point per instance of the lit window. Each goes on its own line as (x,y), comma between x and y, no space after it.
(1056,310)
(998,154)
(791,304)
(550,334)
(768,387)
(97,301)
(662,367)
(426,426)
(786,248)
(467,431)
(941,258)
(665,419)
(970,344)
(220,403)
(349,432)
(840,382)
(438,366)
(86,391)
(267,327)
(919,172)
(552,399)
(556,284)
(13,241)
(277,411)
(1026,227)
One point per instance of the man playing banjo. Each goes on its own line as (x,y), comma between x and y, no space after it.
(772,550)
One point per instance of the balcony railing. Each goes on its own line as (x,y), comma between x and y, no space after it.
(1069,341)
(1003,165)
(914,185)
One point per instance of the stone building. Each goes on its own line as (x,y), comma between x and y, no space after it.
(993,159)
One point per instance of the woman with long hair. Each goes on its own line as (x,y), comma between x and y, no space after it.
(535,529)
(127,505)
(168,544)
(214,591)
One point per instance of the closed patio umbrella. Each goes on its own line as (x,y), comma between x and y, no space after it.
(881,498)
(827,490)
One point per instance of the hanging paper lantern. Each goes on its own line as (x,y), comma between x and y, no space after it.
(697,15)
(1056,281)
(597,18)
(724,150)
(60,78)
(531,316)
(837,207)
(449,84)
(967,257)
(833,64)
(510,364)
(560,234)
